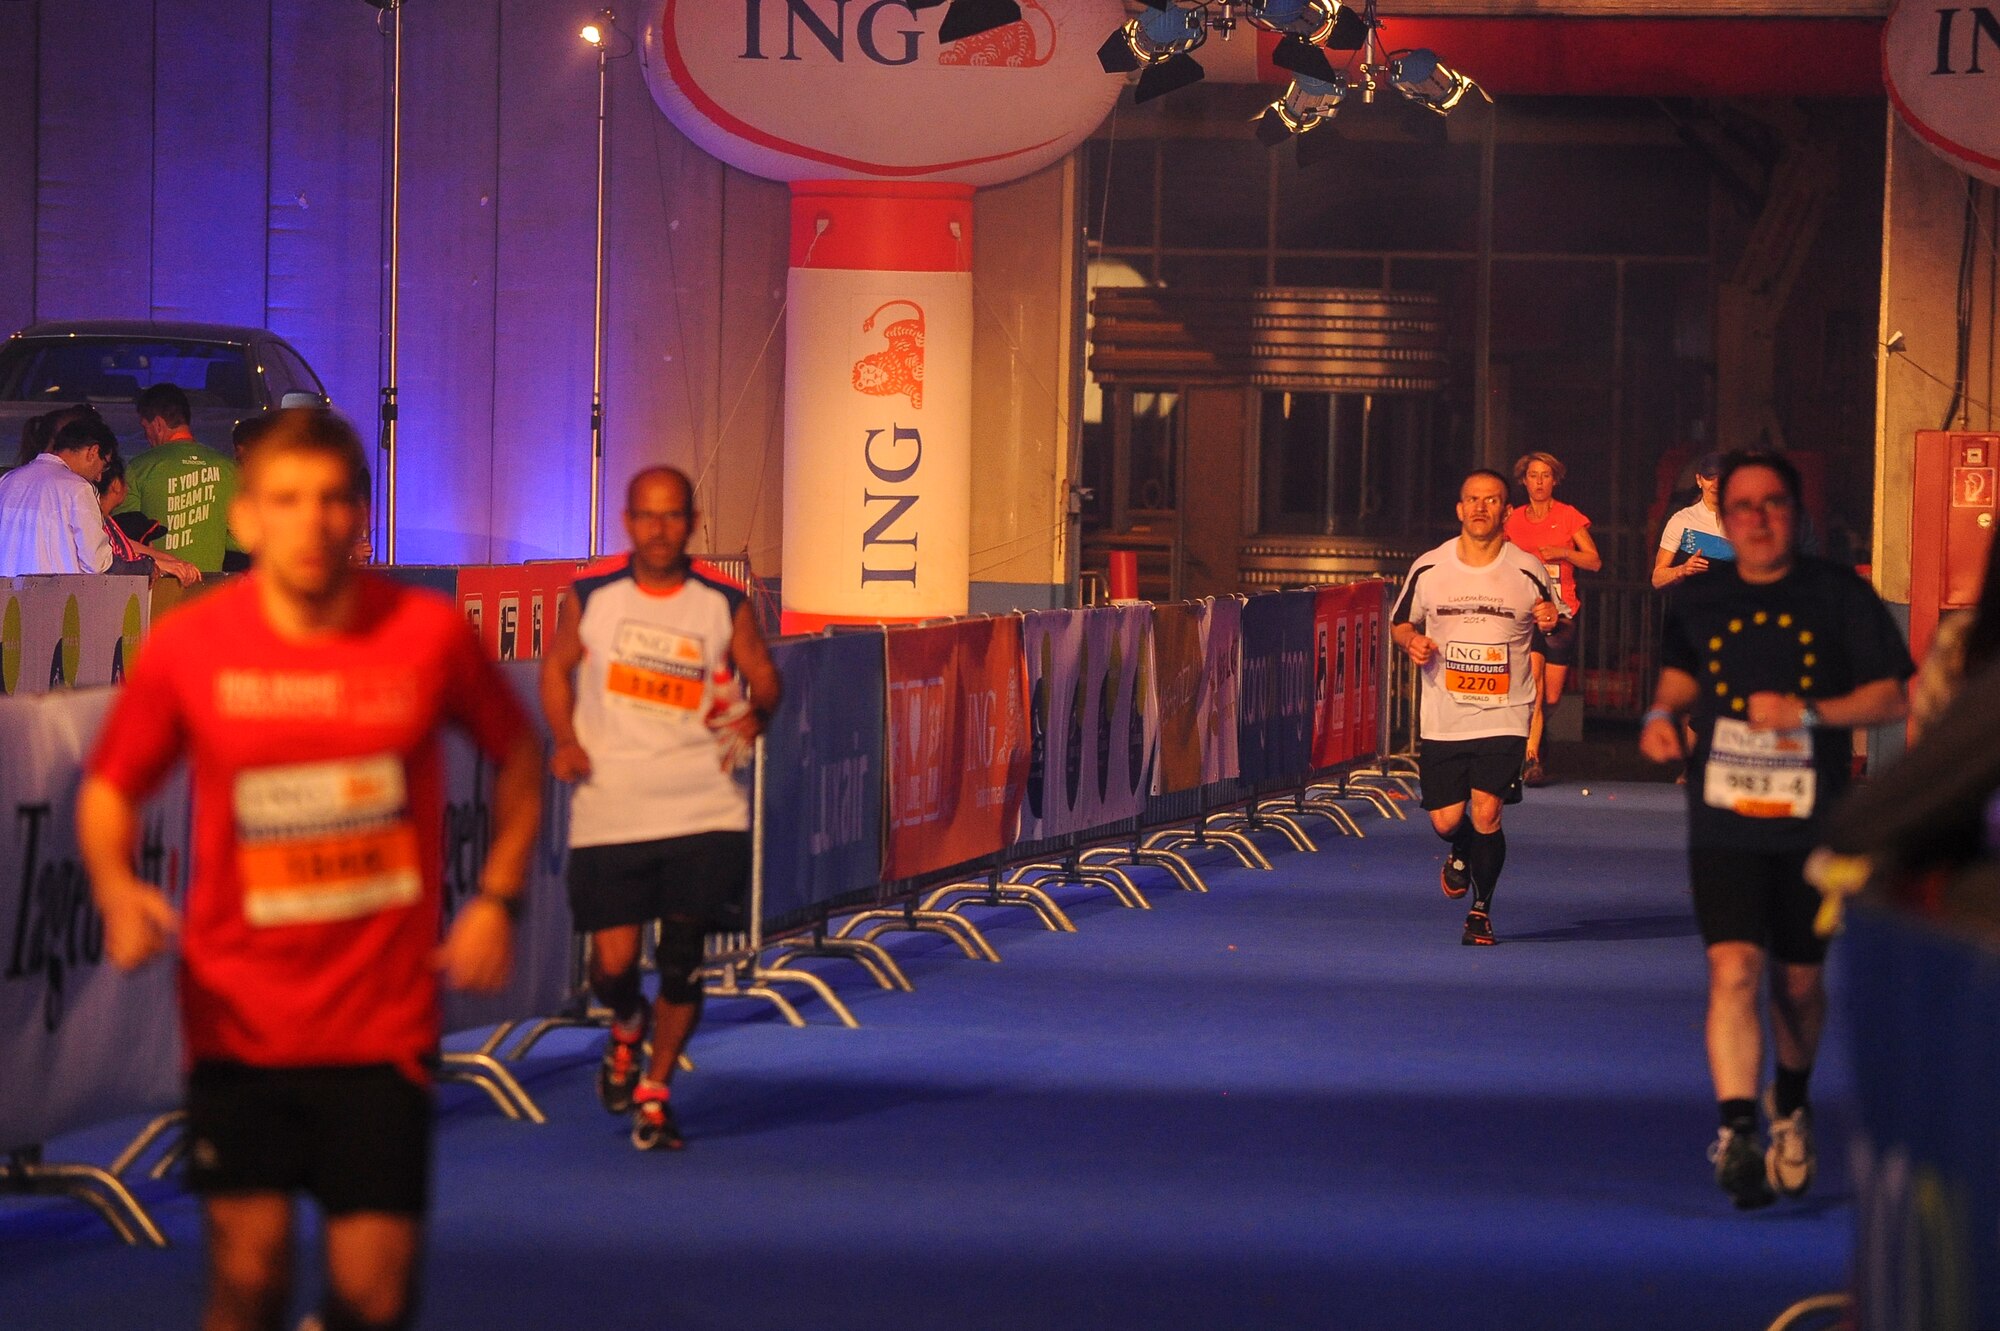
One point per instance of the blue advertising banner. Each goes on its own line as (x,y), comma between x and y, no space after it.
(1221,687)
(823,773)
(1093,718)
(1275,723)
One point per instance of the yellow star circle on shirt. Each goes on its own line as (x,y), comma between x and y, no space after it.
(1736,626)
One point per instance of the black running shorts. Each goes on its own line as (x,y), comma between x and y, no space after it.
(702,878)
(1560,645)
(1757,896)
(353,1138)
(1451,769)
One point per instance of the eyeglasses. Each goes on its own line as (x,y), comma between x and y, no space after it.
(1743,508)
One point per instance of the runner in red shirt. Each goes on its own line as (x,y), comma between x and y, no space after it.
(1558,536)
(307,699)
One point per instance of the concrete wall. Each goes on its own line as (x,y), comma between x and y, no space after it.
(1923,226)
(225,160)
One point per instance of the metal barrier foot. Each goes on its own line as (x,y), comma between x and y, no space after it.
(725,985)
(24,1174)
(911,920)
(501,1086)
(768,975)
(1176,865)
(1343,821)
(1268,817)
(1026,895)
(1211,838)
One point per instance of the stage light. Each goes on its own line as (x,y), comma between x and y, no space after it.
(1306,105)
(969,18)
(1420,76)
(593,34)
(1157,41)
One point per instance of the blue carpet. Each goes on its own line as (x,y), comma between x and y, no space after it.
(1294,1102)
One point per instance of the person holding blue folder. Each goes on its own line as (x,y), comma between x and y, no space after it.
(1692,538)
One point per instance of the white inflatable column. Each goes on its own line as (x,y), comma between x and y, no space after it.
(878,403)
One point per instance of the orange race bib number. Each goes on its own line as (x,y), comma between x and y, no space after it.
(1760,773)
(1480,673)
(657,671)
(326,841)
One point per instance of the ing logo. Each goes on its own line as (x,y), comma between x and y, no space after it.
(1016,46)
(898,369)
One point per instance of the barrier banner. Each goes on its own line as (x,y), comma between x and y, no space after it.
(1178,660)
(958,743)
(80,1041)
(543,935)
(512,607)
(1923,1010)
(823,773)
(1347,664)
(1094,718)
(1275,726)
(67,631)
(1221,689)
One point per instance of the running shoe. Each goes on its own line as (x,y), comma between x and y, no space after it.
(1478,929)
(1455,878)
(1533,775)
(1739,1169)
(624,1061)
(1789,1162)
(653,1126)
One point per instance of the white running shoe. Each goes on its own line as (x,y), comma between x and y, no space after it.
(1789,1162)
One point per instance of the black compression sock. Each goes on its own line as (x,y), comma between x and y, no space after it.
(1790,1092)
(1738,1115)
(1485,856)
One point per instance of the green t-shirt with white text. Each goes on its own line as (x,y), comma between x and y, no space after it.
(185,486)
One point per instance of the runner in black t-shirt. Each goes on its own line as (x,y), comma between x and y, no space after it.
(1777,657)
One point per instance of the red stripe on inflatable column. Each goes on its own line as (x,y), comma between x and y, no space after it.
(1626,57)
(802,621)
(881,226)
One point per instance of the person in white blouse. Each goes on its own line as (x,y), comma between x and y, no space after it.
(49,516)
(1693,535)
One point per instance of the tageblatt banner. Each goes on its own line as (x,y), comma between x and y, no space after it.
(1093,716)
(1221,688)
(1275,724)
(823,763)
(1178,660)
(1347,660)
(544,935)
(80,1041)
(958,743)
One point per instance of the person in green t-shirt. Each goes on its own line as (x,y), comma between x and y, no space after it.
(181,483)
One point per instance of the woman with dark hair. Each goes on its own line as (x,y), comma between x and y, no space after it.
(37,432)
(129,555)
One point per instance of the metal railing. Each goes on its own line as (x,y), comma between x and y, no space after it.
(1621,647)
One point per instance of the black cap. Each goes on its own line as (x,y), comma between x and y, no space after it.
(1708,466)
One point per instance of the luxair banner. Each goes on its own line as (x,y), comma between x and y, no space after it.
(1177,656)
(1275,724)
(543,935)
(958,743)
(1221,688)
(1347,664)
(1923,1010)
(1093,717)
(80,1041)
(823,764)
(70,631)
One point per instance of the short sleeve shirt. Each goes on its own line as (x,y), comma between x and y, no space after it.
(315,902)
(1479,684)
(1818,632)
(186,487)
(1558,528)
(1695,530)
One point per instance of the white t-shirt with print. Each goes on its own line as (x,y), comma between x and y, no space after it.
(1478,684)
(1695,517)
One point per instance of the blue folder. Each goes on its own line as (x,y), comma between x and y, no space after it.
(1708,547)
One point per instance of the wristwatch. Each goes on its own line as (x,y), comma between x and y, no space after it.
(1808,715)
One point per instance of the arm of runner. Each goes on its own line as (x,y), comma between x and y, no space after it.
(1666,573)
(568,762)
(753,659)
(1413,644)
(1875,703)
(138,918)
(478,953)
(1660,736)
(1585,555)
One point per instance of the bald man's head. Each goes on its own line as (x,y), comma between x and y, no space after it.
(682,495)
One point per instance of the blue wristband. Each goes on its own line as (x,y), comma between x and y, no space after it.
(1655,714)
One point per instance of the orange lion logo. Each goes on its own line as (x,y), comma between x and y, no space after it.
(1013,47)
(898,367)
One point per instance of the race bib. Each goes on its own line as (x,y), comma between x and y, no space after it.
(325,841)
(657,671)
(1760,773)
(1478,672)
(1555,572)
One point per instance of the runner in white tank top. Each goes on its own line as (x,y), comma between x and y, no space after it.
(641,692)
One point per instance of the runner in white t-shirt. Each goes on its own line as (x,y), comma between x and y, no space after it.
(1467,616)
(1693,534)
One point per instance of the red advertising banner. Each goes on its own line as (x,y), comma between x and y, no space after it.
(1348,624)
(1177,629)
(958,743)
(512,607)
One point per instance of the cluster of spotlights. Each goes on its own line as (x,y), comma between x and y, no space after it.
(1160,43)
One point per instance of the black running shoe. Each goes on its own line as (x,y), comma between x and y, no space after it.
(1478,929)
(1739,1169)
(1455,878)
(624,1061)
(653,1126)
